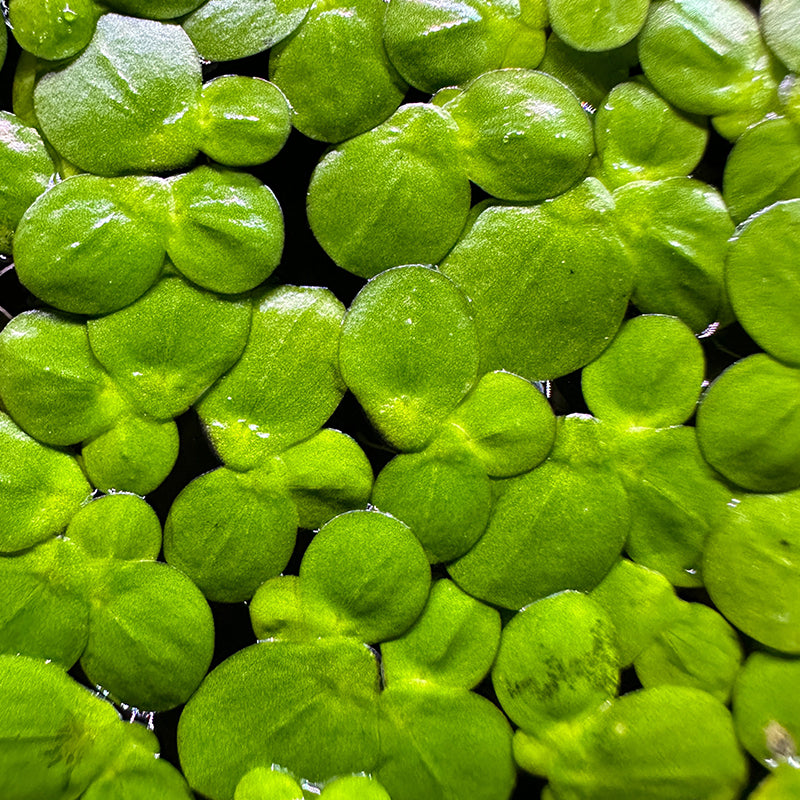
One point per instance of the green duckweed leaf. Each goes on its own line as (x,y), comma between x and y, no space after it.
(698,648)
(641,137)
(26,170)
(782,784)
(51,383)
(119,526)
(779,23)
(139,82)
(549,283)
(706,56)
(307,707)
(523,134)
(452,644)
(409,352)
(394,195)
(677,233)
(597,26)
(231,531)
(53,29)
(365,575)
(442,493)
(277,611)
(435,44)
(666,743)
(591,76)
(748,424)
(63,242)
(542,676)
(169,346)
(326,475)
(135,455)
(650,376)
(226,30)
(155,777)
(227,229)
(56,735)
(640,602)
(354,787)
(557,527)
(243,121)
(151,635)
(507,423)
(40,489)
(43,615)
(357,89)
(438,744)
(762,168)
(286,383)
(764,282)
(676,500)
(752,570)
(267,784)
(766,708)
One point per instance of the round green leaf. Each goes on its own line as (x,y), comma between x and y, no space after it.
(558,659)
(154,9)
(752,568)
(365,575)
(650,376)
(277,611)
(558,527)
(780,21)
(435,45)
(549,283)
(523,134)
(243,121)
(591,76)
(92,245)
(437,743)
(782,784)
(267,784)
(706,56)
(55,735)
(676,500)
(640,602)
(26,170)
(231,531)
(764,280)
(119,526)
(409,353)
(442,493)
(153,778)
(394,195)
(44,615)
(763,167)
(766,708)
(287,382)
(326,475)
(452,644)
(667,743)
(227,229)
(225,30)
(53,29)
(507,423)
(138,82)
(748,424)
(677,233)
(354,787)
(596,26)
(698,648)
(135,455)
(40,489)
(641,137)
(354,85)
(307,707)
(169,346)
(51,383)
(151,635)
